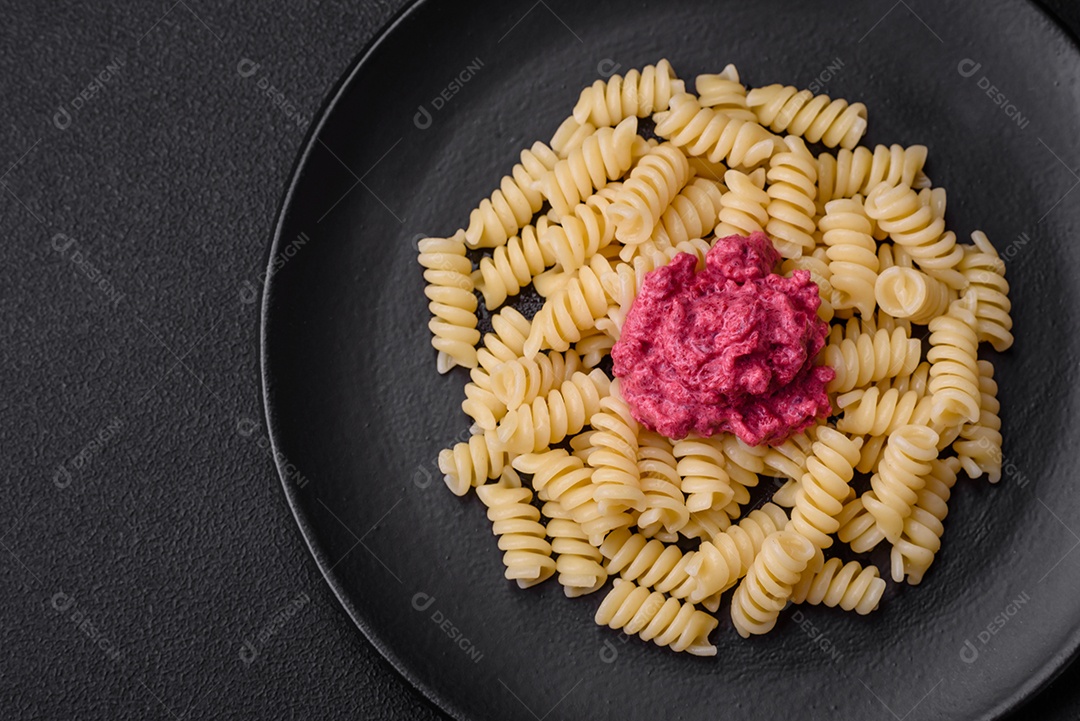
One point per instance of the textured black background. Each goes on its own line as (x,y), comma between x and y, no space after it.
(167,543)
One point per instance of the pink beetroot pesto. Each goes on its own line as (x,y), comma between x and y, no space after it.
(730,348)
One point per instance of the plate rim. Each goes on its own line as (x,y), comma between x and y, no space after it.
(306,528)
(1024,693)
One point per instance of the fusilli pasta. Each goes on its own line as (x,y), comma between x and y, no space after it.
(514,203)
(452,303)
(527,553)
(850,586)
(852,254)
(603,156)
(872,357)
(616,476)
(513,266)
(717,136)
(900,477)
(979,445)
(814,117)
(578,562)
(792,189)
(723,92)
(719,563)
(913,553)
(985,274)
(743,207)
(768,584)
(549,419)
(916,226)
(652,185)
(692,214)
(911,294)
(640,93)
(665,622)
(857,171)
(649,563)
(665,511)
(704,480)
(954,371)
(820,498)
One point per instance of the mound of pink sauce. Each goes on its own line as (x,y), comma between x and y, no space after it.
(730,348)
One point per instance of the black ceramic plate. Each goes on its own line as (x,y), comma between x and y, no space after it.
(425,125)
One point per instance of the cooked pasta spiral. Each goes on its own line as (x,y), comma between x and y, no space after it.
(717,136)
(792,189)
(921,539)
(513,266)
(706,525)
(916,226)
(649,190)
(857,171)
(521,380)
(578,562)
(893,256)
(852,255)
(549,419)
(452,303)
(692,214)
(847,585)
(785,494)
(569,136)
(605,155)
(911,294)
(858,528)
(701,467)
(741,495)
(472,463)
(789,458)
(985,273)
(526,551)
(581,233)
(480,403)
(665,622)
(505,343)
(571,310)
(814,117)
(705,168)
(871,357)
(724,92)
(768,584)
(640,93)
(719,563)
(954,370)
(743,462)
(515,202)
(511,329)
(649,563)
(823,489)
(665,511)
(979,446)
(879,413)
(562,478)
(900,477)
(593,347)
(918,381)
(616,476)
(743,207)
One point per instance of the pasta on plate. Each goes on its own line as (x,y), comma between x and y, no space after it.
(642,175)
